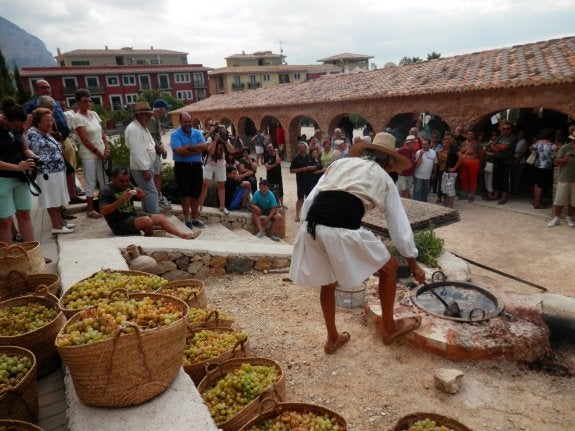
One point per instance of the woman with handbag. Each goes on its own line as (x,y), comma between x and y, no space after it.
(52,169)
(543,167)
(15,159)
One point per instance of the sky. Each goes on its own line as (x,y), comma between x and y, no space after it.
(307,30)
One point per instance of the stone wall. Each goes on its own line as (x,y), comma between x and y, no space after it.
(177,265)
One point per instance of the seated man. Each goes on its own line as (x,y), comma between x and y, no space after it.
(264,203)
(117,207)
(238,192)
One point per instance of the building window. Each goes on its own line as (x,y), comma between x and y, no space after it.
(92,81)
(199,81)
(96,100)
(70,83)
(184,95)
(164,82)
(284,78)
(145,82)
(131,98)
(182,77)
(112,81)
(155,61)
(296,76)
(237,83)
(129,80)
(266,77)
(80,62)
(116,103)
(201,94)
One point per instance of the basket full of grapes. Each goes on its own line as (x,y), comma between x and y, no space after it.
(97,288)
(189,290)
(126,350)
(16,283)
(199,318)
(15,425)
(32,322)
(295,416)
(18,390)
(234,389)
(212,346)
(428,422)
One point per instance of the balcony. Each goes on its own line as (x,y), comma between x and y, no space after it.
(238,87)
(252,85)
(70,90)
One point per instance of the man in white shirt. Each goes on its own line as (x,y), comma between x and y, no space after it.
(141,145)
(332,248)
(425,170)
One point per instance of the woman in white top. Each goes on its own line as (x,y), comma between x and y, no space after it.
(215,166)
(93,148)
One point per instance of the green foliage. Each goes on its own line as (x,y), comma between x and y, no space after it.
(433,55)
(429,246)
(119,153)
(169,185)
(6,83)
(151,95)
(21,94)
(408,60)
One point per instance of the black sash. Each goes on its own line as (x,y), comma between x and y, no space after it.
(335,209)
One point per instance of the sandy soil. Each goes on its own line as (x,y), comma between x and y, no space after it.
(372,385)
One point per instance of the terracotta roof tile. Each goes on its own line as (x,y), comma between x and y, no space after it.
(347,56)
(534,64)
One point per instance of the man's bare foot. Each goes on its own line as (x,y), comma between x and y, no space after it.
(192,235)
(330,347)
(400,327)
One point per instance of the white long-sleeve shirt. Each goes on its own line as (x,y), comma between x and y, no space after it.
(141,145)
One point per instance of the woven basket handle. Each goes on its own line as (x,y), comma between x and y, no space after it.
(14,276)
(267,398)
(211,368)
(240,345)
(44,292)
(192,294)
(14,252)
(212,315)
(118,290)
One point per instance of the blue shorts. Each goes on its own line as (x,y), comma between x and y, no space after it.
(14,196)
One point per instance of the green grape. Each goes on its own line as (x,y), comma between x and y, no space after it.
(296,421)
(20,319)
(232,392)
(427,425)
(101,321)
(13,368)
(209,344)
(199,315)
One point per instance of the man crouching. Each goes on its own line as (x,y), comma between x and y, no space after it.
(117,206)
(331,246)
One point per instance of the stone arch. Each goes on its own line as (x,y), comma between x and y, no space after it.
(399,126)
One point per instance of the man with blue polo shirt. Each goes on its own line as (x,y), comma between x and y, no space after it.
(188,144)
(264,203)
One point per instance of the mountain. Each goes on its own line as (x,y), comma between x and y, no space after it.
(21,47)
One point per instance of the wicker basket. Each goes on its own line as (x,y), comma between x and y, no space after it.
(21,401)
(69,312)
(40,341)
(13,425)
(278,408)
(26,257)
(197,371)
(195,299)
(405,422)
(18,284)
(131,368)
(215,372)
(212,320)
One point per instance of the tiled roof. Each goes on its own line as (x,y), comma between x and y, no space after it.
(123,51)
(311,68)
(92,70)
(535,64)
(346,56)
(255,55)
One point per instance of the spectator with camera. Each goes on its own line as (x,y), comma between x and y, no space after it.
(15,159)
(51,179)
(272,163)
(155,127)
(215,165)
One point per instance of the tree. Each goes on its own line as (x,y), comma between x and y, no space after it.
(151,95)
(6,85)
(407,60)
(21,94)
(433,55)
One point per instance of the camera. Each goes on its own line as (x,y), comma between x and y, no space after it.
(224,135)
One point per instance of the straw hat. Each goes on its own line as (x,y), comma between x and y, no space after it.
(142,108)
(384,143)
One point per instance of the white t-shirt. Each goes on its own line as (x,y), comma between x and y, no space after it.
(425,168)
(94,130)
(141,144)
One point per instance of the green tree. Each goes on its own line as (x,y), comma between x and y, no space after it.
(6,84)
(408,60)
(151,95)
(21,94)
(433,55)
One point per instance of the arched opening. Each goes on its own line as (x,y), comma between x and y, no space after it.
(350,124)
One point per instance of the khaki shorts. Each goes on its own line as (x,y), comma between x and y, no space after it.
(565,195)
(404,182)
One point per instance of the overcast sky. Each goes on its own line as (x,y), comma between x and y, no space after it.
(307,29)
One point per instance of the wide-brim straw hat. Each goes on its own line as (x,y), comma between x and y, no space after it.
(384,143)
(142,108)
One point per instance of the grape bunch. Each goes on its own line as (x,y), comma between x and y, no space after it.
(182,292)
(427,425)
(296,421)
(13,368)
(20,319)
(101,321)
(92,290)
(199,315)
(209,344)
(237,389)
